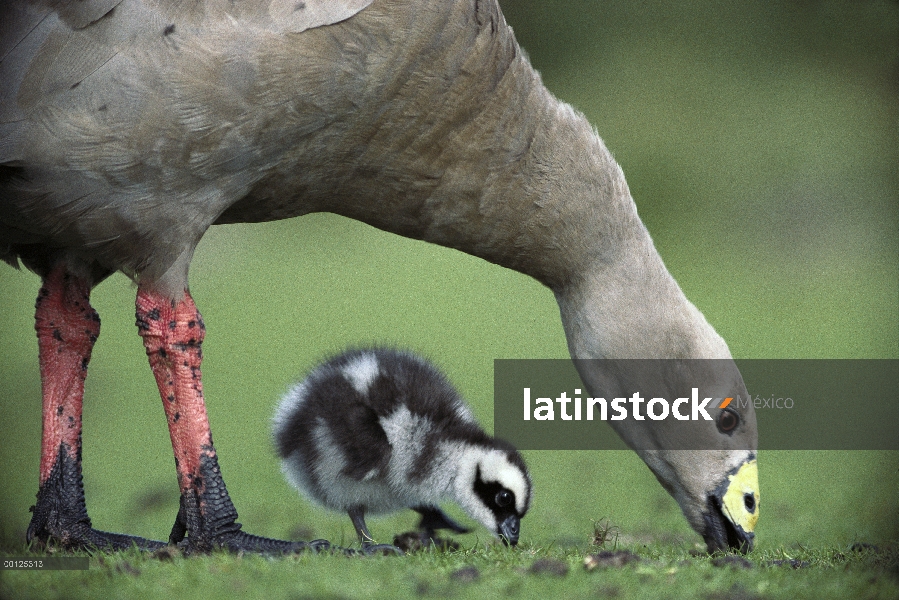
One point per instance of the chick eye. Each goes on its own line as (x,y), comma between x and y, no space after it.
(504,498)
(727,421)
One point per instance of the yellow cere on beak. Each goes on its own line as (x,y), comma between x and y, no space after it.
(735,503)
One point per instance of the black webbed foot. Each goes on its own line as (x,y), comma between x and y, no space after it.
(60,515)
(207,521)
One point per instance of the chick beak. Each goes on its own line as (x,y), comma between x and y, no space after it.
(733,511)
(509,529)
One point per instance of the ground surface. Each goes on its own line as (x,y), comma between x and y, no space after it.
(478,572)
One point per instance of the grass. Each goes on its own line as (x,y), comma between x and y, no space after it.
(481,571)
(760,147)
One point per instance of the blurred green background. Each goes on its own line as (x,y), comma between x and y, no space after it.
(761,144)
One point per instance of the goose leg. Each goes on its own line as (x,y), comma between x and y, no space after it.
(173,333)
(67,327)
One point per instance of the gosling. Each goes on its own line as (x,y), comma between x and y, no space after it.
(379,430)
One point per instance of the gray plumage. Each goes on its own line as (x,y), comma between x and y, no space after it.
(376,431)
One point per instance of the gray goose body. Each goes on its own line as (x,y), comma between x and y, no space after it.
(129,127)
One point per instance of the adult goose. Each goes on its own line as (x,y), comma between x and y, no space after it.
(129,127)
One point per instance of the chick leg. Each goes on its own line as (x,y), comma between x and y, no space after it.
(357,516)
(432,519)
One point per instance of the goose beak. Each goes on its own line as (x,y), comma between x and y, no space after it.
(509,529)
(733,510)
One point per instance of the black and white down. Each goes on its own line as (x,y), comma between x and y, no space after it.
(381,430)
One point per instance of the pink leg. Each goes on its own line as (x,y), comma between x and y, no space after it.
(67,327)
(173,333)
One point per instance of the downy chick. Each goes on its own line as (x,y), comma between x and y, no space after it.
(376,431)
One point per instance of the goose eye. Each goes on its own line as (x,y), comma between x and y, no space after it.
(749,502)
(727,421)
(504,498)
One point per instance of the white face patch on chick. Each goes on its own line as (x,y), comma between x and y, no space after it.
(494,466)
(483,483)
